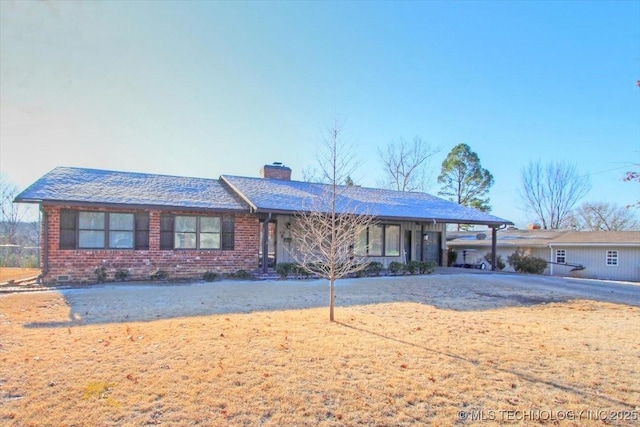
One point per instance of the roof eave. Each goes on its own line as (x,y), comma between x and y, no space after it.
(604,244)
(76,203)
(259,209)
(253,207)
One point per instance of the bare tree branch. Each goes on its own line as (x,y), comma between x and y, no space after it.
(552,190)
(11,215)
(406,164)
(602,217)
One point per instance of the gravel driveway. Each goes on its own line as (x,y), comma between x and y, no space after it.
(459,291)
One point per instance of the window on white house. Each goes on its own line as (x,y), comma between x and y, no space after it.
(375,240)
(392,240)
(378,240)
(612,258)
(360,247)
(561,256)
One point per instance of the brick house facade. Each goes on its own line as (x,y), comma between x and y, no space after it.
(79,265)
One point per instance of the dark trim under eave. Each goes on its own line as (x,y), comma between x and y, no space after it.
(393,218)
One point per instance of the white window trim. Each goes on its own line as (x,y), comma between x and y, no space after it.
(615,258)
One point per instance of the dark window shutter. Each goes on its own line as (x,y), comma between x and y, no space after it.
(166,232)
(228,226)
(142,231)
(68,222)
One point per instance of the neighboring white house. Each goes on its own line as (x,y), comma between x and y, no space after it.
(611,255)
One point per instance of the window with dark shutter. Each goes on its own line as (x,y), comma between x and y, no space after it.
(68,229)
(142,231)
(227,233)
(166,232)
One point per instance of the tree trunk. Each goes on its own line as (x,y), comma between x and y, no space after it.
(331,300)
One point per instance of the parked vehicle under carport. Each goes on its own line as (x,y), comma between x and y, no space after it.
(471,258)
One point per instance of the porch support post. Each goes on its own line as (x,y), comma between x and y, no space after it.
(494,245)
(265,244)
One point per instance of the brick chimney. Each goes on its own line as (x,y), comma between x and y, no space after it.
(276,170)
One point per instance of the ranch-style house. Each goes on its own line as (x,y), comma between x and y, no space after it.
(143,224)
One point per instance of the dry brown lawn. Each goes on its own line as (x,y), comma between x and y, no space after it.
(8,274)
(381,365)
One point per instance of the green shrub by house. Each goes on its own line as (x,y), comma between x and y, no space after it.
(121,275)
(523,263)
(374,268)
(284,269)
(210,276)
(452,257)
(426,267)
(101,274)
(300,272)
(241,274)
(396,267)
(159,275)
(412,267)
(500,265)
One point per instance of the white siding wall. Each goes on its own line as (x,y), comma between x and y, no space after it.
(285,242)
(285,245)
(594,259)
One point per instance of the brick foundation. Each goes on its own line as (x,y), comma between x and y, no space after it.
(79,265)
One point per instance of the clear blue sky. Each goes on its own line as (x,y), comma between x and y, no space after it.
(210,88)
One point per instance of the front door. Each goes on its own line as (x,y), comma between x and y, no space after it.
(431,246)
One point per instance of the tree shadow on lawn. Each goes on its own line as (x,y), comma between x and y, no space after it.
(120,303)
(525,376)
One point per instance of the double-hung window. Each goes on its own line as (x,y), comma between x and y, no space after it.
(103,230)
(91,230)
(612,258)
(561,256)
(121,230)
(196,232)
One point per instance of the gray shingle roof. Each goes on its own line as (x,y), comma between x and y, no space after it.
(272,195)
(506,238)
(545,238)
(599,237)
(93,186)
(236,193)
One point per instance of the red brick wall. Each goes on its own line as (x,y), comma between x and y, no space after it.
(80,264)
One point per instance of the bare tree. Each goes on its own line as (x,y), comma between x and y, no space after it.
(11,215)
(552,190)
(406,164)
(326,230)
(602,217)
